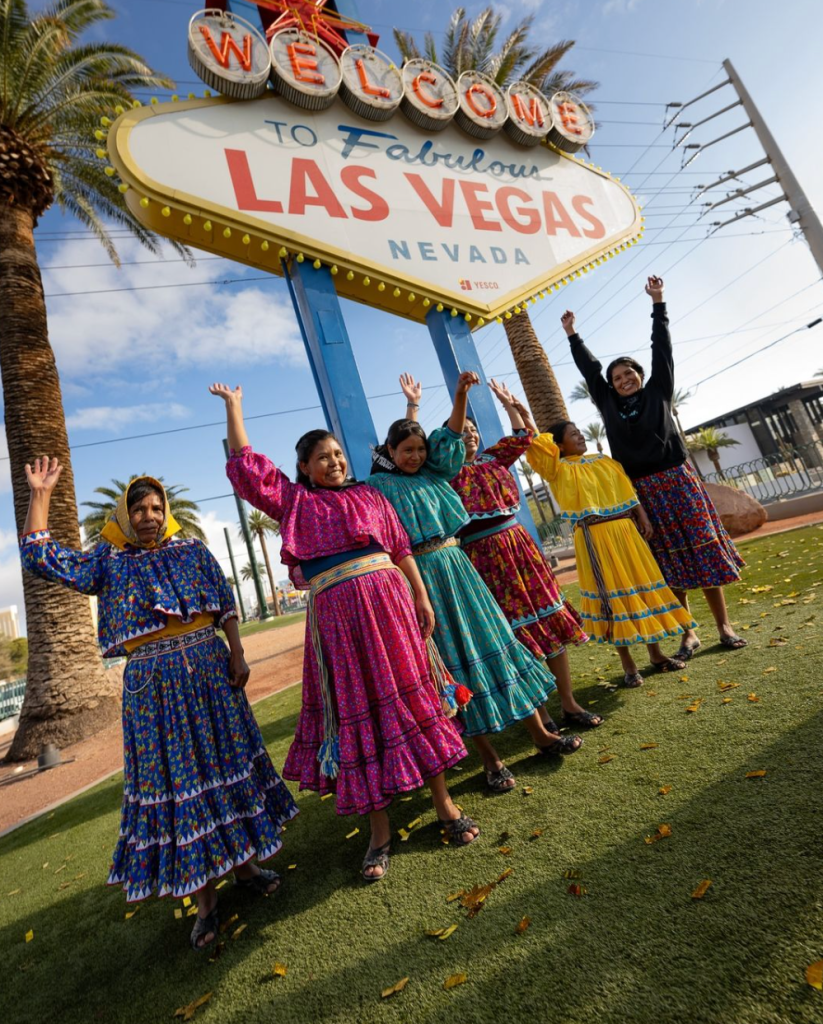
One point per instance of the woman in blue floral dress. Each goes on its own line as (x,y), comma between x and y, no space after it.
(201,797)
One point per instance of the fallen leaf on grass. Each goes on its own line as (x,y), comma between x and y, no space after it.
(575,889)
(528,790)
(664,790)
(406,799)
(280,970)
(61,868)
(29,935)
(130,914)
(771,668)
(224,927)
(778,641)
(759,774)
(663,832)
(536,834)
(814,975)
(221,883)
(504,876)
(505,850)
(45,865)
(14,892)
(392,990)
(572,873)
(691,708)
(648,746)
(191,911)
(761,590)
(217,952)
(187,1012)
(291,867)
(414,824)
(684,679)
(702,889)
(455,979)
(726,700)
(606,758)
(239,931)
(522,925)
(474,899)
(728,686)
(753,698)
(353,833)
(327,796)
(455,896)
(447,932)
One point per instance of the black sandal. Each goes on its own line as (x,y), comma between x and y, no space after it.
(632,680)
(260,882)
(458,827)
(581,720)
(562,745)
(668,665)
(202,926)
(550,725)
(378,858)
(686,653)
(733,642)
(496,779)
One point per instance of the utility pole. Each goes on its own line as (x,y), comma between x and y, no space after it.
(244,526)
(234,573)
(802,214)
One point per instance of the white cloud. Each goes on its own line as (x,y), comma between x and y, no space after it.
(116,418)
(620,6)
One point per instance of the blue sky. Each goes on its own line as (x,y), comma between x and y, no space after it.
(132,362)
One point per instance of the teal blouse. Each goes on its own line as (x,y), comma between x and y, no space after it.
(425,501)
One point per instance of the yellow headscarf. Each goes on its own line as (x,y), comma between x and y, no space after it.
(119,531)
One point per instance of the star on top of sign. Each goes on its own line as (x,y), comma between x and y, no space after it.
(314,17)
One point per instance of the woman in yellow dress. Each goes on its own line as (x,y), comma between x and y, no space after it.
(624,598)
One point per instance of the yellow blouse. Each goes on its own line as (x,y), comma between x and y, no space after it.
(584,485)
(174,627)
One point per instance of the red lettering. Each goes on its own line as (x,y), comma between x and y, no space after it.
(379,208)
(227,47)
(430,101)
(365,84)
(557,216)
(532,223)
(299,65)
(304,172)
(487,94)
(597,229)
(568,117)
(244,190)
(477,207)
(442,210)
(531,114)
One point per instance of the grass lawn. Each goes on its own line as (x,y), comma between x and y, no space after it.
(275,622)
(633,947)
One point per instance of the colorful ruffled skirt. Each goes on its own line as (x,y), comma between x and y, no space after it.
(523,584)
(393,734)
(200,793)
(478,646)
(644,610)
(690,543)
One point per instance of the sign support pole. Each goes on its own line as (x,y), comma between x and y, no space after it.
(328,347)
(457,353)
(234,573)
(244,526)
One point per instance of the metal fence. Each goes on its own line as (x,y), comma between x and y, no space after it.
(797,470)
(11,697)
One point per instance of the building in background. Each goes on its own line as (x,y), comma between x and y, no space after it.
(10,622)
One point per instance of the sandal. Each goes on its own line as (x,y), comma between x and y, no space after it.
(581,720)
(563,745)
(733,642)
(686,653)
(260,882)
(456,828)
(496,779)
(378,858)
(631,680)
(202,926)
(668,665)
(550,725)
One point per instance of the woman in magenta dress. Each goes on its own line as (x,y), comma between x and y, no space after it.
(511,564)
(372,724)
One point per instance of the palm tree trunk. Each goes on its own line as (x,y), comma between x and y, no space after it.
(270,573)
(536,374)
(69,695)
(714,455)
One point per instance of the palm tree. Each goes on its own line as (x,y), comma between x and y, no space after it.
(184,511)
(473,45)
(53,90)
(260,524)
(580,393)
(710,440)
(596,433)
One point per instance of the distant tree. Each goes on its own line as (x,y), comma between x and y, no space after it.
(580,393)
(596,433)
(710,440)
(186,512)
(261,525)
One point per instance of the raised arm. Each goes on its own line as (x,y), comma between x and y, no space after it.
(413,390)
(543,456)
(586,363)
(509,403)
(42,478)
(509,449)
(662,375)
(236,429)
(457,420)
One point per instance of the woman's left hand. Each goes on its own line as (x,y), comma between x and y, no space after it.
(425,615)
(238,670)
(466,380)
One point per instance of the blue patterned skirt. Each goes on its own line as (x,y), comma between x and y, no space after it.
(200,794)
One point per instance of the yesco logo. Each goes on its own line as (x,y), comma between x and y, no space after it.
(234,58)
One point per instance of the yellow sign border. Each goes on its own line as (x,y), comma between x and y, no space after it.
(163,210)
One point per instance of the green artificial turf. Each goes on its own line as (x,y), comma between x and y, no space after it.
(634,948)
(275,622)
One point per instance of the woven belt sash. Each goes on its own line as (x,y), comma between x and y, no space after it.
(329,753)
(490,532)
(428,546)
(602,590)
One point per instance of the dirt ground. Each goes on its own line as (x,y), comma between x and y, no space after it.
(275,657)
(276,661)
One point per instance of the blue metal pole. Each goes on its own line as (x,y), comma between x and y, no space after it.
(332,362)
(457,353)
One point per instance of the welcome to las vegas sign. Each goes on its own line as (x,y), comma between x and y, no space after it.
(418,191)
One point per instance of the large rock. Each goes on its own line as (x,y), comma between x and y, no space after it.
(738,511)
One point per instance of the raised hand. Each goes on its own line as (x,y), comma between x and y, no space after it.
(226,392)
(413,390)
(654,287)
(43,475)
(567,320)
(502,392)
(465,381)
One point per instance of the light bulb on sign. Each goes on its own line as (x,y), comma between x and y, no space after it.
(187,219)
(264,245)
(166,211)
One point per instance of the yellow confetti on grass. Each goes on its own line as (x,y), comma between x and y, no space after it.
(664,790)
(353,833)
(221,883)
(702,889)
(455,979)
(414,824)
(187,901)
(291,867)
(239,931)
(279,970)
(178,914)
(29,935)
(404,835)
(447,932)
(455,896)
(759,774)
(187,1012)
(14,892)
(528,790)
(327,796)
(225,925)
(504,876)
(814,975)
(522,925)
(649,746)
(392,990)
(130,914)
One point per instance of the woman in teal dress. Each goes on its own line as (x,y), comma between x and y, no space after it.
(478,647)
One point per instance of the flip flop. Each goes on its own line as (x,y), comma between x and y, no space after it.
(202,926)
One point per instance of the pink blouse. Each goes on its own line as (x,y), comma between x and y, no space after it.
(316,522)
(486,486)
